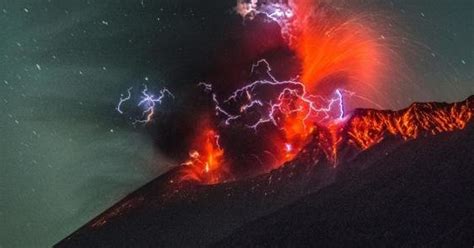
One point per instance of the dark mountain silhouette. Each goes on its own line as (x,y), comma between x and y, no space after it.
(392,178)
(418,194)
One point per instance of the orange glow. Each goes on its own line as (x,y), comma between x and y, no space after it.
(331,44)
(368,127)
(363,129)
(296,133)
(419,119)
(206,162)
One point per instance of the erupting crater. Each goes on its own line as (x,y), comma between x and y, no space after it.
(199,202)
(361,129)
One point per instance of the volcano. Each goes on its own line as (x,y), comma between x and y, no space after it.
(377,178)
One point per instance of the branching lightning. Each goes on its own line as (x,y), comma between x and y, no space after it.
(148,102)
(123,99)
(277,11)
(325,45)
(291,97)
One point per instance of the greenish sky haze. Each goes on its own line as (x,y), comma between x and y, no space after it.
(66,154)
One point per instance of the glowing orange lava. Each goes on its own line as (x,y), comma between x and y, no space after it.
(330,43)
(206,162)
(295,135)
(365,127)
(370,128)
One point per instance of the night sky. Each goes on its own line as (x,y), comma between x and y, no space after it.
(66,154)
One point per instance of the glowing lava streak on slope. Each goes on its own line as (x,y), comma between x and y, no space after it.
(369,128)
(206,162)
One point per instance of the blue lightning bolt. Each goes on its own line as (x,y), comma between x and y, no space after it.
(289,92)
(123,99)
(341,103)
(148,102)
(276,11)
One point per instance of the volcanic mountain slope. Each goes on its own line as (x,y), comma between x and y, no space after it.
(419,194)
(412,184)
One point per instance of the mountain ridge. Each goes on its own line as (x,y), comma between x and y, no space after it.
(175,214)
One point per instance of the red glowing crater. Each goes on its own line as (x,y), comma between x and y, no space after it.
(334,50)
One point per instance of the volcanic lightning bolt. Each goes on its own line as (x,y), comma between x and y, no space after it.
(148,102)
(278,12)
(123,100)
(292,97)
(294,106)
(337,54)
(286,105)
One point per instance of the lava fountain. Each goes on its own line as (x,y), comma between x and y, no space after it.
(206,163)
